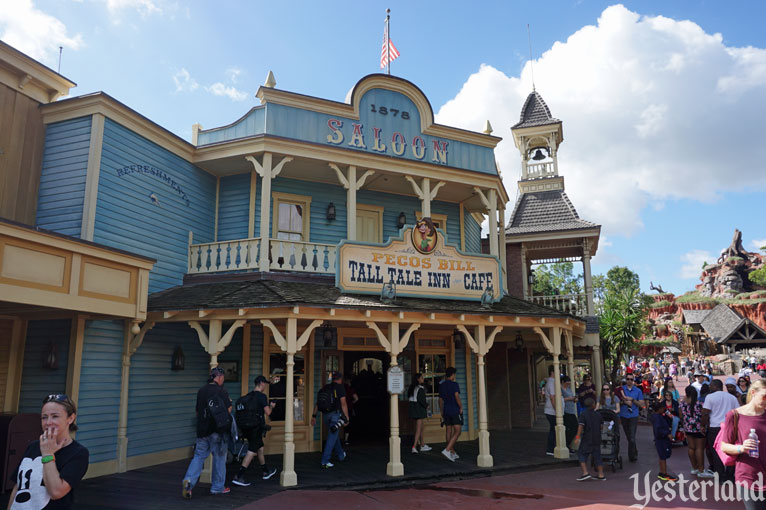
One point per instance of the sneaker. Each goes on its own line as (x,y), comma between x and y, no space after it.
(455,455)
(448,454)
(343,459)
(582,478)
(671,478)
(268,474)
(706,474)
(186,490)
(601,478)
(414,450)
(549,453)
(425,448)
(225,490)
(328,465)
(663,476)
(238,480)
(694,471)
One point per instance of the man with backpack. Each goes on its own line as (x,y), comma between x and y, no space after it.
(213,423)
(331,401)
(251,411)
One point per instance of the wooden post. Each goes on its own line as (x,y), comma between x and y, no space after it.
(351,204)
(561,451)
(597,363)
(503,249)
(588,283)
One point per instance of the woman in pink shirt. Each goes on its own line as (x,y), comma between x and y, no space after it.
(749,472)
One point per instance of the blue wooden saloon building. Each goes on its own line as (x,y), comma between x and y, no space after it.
(305,237)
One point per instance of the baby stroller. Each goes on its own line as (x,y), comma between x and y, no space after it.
(610,439)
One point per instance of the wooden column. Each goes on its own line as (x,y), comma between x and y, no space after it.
(15,365)
(352,184)
(588,282)
(394,345)
(561,451)
(490,203)
(425,193)
(267,173)
(481,344)
(570,356)
(598,378)
(503,249)
(290,343)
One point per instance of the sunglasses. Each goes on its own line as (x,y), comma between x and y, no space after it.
(630,379)
(56,397)
(605,389)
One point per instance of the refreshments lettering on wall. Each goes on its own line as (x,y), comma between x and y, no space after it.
(158,174)
(421,264)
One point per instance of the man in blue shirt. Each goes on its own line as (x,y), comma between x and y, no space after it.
(452,411)
(631,400)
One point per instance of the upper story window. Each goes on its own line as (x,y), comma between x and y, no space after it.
(439,220)
(291,217)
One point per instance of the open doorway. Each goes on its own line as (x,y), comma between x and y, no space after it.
(365,372)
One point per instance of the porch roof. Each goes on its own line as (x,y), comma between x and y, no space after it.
(545,211)
(276,293)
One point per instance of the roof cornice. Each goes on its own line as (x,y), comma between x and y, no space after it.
(27,76)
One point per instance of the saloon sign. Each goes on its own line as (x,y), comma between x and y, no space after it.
(421,264)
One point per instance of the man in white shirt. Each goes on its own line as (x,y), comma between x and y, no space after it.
(717,404)
(699,380)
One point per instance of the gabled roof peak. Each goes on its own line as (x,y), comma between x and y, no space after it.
(535,112)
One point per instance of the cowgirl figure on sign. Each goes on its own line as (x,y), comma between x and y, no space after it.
(53,466)
(424,236)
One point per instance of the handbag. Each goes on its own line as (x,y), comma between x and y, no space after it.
(728,460)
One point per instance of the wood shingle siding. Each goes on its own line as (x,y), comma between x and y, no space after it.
(128,218)
(62,179)
(38,382)
(100,381)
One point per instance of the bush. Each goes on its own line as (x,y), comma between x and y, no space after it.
(661,304)
(694,297)
(734,260)
(758,276)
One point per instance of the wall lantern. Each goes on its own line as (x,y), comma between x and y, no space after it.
(531,277)
(50,360)
(519,341)
(457,337)
(401,221)
(331,211)
(327,335)
(178,361)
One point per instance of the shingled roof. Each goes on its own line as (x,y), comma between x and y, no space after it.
(274,293)
(535,113)
(694,316)
(545,211)
(721,323)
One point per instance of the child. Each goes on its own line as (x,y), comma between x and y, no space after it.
(662,439)
(589,434)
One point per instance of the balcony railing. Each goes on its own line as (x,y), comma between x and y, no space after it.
(540,170)
(244,254)
(576,304)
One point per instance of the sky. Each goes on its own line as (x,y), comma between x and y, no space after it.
(661,102)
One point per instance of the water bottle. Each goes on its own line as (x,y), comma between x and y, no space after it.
(754,436)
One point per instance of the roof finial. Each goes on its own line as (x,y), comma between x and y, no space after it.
(531,62)
(271,82)
(488,128)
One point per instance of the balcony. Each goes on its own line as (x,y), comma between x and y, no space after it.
(244,255)
(576,304)
(540,170)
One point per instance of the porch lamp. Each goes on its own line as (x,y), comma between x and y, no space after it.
(531,277)
(327,335)
(331,211)
(457,337)
(519,341)
(178,361)
(401,220)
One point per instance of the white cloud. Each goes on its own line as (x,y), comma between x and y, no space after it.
(219,89)
(756,244)
(233,74)
(34,32)
(184,81)
(692,263)
(144,7)
(649,105)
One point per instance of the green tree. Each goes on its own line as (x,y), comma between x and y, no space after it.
(758,276)
(558,278)
(615,280)
(622,321)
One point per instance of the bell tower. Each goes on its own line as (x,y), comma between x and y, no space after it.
(538,135)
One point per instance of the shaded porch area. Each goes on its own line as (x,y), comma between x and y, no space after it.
(160,486)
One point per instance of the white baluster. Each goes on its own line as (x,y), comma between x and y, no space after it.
(332,255)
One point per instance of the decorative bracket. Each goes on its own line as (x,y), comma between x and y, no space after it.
(137,340)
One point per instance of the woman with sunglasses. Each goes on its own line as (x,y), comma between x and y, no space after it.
(742,386)
(53,466)
(670,387)
(608,400)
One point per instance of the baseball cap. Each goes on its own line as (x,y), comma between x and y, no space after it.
(698,373)
(337,375)
(731,380)
(261,379)
(215,373)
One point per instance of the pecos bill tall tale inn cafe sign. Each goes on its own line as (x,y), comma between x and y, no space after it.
(421,264)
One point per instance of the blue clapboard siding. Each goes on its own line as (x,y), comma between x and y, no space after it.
(462,380)
(100,381)
(472,234)
(233,353)
(126,216)
(62,180)
(233,207)
(161,406)
(256,352)
(253,123)
(38,382)
(332,232)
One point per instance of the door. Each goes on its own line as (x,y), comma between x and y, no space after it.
(369,224)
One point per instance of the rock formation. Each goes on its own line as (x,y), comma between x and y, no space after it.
(729,276)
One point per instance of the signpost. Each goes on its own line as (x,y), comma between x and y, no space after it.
(395,380)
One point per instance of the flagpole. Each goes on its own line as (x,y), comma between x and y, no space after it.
(388,40)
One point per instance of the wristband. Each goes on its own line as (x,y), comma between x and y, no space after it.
(740,449)
(47,459)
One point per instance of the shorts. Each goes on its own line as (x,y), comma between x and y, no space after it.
(582,455)
(663,448)
(254,439)
(697,435)
(453,420)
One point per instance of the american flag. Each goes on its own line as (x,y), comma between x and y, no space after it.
(388,53)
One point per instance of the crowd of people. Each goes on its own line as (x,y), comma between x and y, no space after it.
(646,389)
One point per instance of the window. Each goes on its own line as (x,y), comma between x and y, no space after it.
(291,217)
(358,340)
(439,220)
(434,355)
(276,366)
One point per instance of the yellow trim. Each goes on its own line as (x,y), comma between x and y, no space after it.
(152,459)
(358,332)
(448,349)
(268,348)
(92,177)
(104,263)
(289,198)
(74,363)
(469,389)
(41,248)
(15,366)
(107,467)
(27,76)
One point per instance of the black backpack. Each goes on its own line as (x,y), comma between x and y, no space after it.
(326,399)
(248,417)
(217,415)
